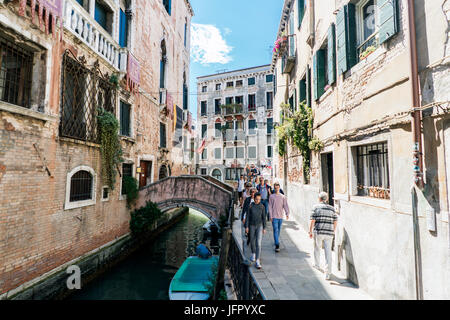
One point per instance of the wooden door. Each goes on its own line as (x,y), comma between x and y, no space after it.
(145,177)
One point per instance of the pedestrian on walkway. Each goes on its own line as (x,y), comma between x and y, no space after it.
(265,191)
(324,221)
(255,226)
(245,208)
(277,207)
(241,186)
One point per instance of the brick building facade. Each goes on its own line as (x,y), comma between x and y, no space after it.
(349,61)
(50,88)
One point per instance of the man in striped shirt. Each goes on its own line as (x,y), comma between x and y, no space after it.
(324,221)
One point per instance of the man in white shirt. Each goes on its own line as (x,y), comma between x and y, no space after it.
(241,186)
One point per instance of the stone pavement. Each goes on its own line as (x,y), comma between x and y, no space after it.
(289,274)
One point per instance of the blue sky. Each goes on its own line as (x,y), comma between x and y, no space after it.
(231,34)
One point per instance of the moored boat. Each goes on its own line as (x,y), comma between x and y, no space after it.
(190,281)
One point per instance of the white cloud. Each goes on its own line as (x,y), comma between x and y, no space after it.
(208,45)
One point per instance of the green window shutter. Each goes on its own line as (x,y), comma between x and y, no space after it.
(346,38)
(302,91)
(388,19)
(308,87)
(319,73)
(331,55)
(301,11)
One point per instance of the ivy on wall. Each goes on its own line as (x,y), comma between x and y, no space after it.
(110,148)
(296,129)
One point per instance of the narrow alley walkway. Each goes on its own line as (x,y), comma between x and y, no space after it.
(289,274)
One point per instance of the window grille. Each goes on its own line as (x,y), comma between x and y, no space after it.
(81,186)
(16,65)
(83,92)
(373,170)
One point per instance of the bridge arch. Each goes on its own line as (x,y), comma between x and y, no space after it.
(205,194)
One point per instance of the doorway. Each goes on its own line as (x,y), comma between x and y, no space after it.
(327,176)
(145,178)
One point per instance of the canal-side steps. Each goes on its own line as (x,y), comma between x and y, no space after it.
(53,285)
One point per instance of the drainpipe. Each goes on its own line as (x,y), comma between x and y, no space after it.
(417,146)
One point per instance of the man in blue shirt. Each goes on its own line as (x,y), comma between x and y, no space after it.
(203,251)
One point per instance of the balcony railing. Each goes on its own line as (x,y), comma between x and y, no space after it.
(84,27)
(231,109)
(252,107)
(289,55)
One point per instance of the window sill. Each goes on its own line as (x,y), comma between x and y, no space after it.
(79,204)
(86,143)
(380,203)
(14,109)
(128,139)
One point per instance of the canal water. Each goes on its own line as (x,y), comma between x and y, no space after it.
(146,274)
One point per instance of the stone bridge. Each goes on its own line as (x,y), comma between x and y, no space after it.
(202,193)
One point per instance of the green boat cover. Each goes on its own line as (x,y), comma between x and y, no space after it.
(193,275)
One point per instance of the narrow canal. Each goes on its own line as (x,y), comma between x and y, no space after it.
(146,274)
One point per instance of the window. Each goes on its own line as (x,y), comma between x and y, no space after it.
(239,100)
(362,28)
(239,83)
(167,5)
(252,152)
(218,85)
(252,126)
(269,100)
(239,130)
(229,133)
(218,130)
(372,170)
(229,153)
(123,29)
(240,152)
(203,171)
(16,66)
(251,81)
(125,126)
(203,108)
(269,78)
(127,171)
(269,151)
(217,174)
(302,6)
(204,130)
(233,173)
(104,16)
(205,154)
(185,34)
(269,125)
(162,135)
(218,153)
(81,186)
(230,84)
(105,193)
(83,91)
(302,90)
(217,103)
(251,102)
(204,89)
(229,100)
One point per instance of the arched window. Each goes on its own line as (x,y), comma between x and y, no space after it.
(80,188)
(217,174)
(163,172)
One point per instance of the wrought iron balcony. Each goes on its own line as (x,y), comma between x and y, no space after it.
(83,25)
(231,109)
(289,55)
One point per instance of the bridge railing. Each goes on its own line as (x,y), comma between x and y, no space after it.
(245,285)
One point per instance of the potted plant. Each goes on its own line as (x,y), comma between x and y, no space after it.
(366,52)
